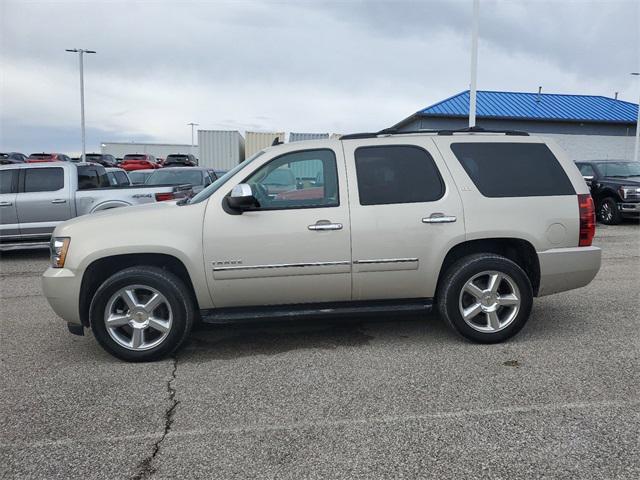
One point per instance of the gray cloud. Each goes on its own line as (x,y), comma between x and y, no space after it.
(297,65)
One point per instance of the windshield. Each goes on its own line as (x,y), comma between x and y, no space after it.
(176,177)
(211,189)
(619,169)
(134,157)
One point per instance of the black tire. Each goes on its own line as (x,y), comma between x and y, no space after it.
(449,295)
(170,286)
(608,211)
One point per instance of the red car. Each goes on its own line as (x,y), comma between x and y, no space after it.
(138,161)
(47,157)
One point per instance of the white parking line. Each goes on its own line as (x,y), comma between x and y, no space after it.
(544,408)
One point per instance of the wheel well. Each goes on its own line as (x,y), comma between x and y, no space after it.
(515,249)
(101,269)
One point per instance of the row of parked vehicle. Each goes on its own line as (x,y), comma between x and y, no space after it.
(130,162)
(35,197)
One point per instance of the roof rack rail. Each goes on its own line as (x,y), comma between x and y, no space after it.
(395,131)
(483,130)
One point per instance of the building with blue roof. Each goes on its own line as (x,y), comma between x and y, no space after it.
(587,126)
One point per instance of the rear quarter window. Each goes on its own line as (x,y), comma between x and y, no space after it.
(513,169)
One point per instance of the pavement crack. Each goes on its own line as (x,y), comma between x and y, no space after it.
(146,467)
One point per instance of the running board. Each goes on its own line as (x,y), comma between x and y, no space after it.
(316,310)
(7,246)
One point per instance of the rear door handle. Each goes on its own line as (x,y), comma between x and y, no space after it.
(59,200)
(325,225)
(439,218)
(6,204)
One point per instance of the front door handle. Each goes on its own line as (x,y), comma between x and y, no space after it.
(325,225)
(59,200)
(6,204)
(439,218)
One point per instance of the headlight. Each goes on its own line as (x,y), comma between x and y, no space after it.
(59,247)
(629,192)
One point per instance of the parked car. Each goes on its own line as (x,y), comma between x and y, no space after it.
(12,157)
(118,177)
(180,160)
(197,177)
(48,157)
(473,224)
(34,198)
(137,161)
(104,159)
(139,177)
(615,188)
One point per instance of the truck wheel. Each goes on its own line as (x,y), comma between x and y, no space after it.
(608,212)
(485,297)
(141,314)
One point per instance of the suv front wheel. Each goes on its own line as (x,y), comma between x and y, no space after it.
(141,314)
(486,298)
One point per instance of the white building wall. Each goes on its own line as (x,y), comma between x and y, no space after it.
(158,150)
(220,149)
(595,147)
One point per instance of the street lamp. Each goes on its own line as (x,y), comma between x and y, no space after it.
(81,53)
(192,125)
(635,151)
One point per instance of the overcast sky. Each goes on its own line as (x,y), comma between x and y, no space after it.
(305,66)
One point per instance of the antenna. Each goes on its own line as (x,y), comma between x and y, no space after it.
(615,97)
(539,92)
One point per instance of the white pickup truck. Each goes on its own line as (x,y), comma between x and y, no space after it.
(475,223)
(36,197)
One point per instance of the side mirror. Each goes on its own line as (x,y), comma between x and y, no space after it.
(242,198)
(588,179)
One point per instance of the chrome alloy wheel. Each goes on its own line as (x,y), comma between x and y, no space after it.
(138,317)
(489,301)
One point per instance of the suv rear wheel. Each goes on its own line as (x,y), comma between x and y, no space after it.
(608,212)
(486,298)
(141,314)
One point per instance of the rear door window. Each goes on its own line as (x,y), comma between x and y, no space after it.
(513,169)
(43,179)
(396,174)
(7,181)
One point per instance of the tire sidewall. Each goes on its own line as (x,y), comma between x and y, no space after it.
(180,305)
(462,272)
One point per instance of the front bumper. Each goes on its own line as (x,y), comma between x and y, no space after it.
(563,269)
(61,286)
(629,208)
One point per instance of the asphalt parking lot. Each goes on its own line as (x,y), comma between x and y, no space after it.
(400,398)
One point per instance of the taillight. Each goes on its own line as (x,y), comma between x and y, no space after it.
(587,220)
(161,197)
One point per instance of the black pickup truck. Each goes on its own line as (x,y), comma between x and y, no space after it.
(615,188)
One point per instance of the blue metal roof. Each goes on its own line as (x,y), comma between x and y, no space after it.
(540,107)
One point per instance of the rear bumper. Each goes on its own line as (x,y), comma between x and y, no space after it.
(61,286)
(563,269)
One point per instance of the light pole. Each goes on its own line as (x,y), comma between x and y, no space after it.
(474,63)
(635,151)
(81,53)
(192,125)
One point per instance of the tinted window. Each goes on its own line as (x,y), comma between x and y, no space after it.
(288,181)
(43,179)
(6,180)
(121,178)
(619,169)
(513,169)
(586,169)
(91,177)
(396,174)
